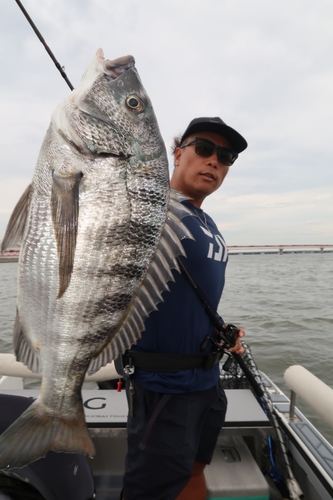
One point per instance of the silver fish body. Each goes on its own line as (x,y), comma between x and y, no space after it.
(100,233)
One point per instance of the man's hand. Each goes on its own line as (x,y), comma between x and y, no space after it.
(238,348)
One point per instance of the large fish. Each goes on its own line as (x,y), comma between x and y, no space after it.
(100,231)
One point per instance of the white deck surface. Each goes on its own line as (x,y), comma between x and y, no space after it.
(109,407)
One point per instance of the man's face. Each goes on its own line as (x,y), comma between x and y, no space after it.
(195,175)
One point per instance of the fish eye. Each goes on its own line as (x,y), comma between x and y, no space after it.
(135,104)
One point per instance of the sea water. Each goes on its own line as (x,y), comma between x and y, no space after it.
(284,303)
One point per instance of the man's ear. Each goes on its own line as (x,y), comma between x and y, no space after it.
(177,156)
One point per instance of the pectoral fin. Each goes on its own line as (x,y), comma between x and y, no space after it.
(16,224)
(65,215)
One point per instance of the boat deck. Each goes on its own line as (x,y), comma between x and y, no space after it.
(107,426)
(246,424)
(106,416)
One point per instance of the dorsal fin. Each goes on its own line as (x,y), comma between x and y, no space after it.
(154,283)
(16,224)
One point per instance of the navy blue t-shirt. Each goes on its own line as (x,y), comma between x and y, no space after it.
(181,323)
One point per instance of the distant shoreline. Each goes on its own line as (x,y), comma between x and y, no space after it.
(275,252)
(9,259)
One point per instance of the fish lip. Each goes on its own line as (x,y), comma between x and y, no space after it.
(117,67)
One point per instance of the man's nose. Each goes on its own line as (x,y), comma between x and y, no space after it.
(213,159)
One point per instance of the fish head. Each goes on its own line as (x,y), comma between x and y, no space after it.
(110,113)
(103,140)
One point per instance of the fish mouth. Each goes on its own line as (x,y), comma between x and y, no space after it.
(118,66)
(115,67)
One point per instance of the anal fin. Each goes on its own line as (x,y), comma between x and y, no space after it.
(23,350)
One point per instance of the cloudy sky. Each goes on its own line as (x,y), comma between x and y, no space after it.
(264,66)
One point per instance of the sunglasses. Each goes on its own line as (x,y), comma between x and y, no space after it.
(205,148)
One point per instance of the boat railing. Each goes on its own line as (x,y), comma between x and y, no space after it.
(313,391)
(11,368)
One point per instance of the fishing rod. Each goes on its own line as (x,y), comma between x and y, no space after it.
(265,401)
(47,48)
(225,334)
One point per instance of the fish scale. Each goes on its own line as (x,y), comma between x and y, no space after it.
(100,230)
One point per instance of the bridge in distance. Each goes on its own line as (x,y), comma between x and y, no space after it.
(251,249)
(13,255)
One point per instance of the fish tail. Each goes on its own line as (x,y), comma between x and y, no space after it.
(36,432)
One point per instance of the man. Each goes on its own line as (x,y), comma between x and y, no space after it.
(175,416)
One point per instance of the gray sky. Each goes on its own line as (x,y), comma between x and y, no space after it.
(264,66)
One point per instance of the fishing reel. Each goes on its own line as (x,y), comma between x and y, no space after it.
(225,339)
(227,336)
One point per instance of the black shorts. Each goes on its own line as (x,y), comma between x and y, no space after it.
(185,431)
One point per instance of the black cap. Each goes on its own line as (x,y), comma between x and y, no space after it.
(237,142)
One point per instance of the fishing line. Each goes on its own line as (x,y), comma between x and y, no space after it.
(47,48)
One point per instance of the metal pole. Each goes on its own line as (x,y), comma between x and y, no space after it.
(292,405)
